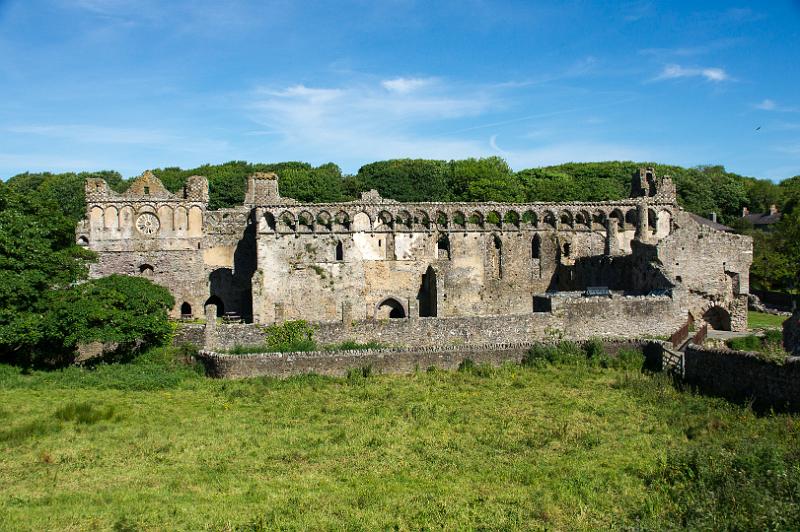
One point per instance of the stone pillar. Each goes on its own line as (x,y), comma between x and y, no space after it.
(612,229)
(642,223)
(347,314)
(210,330)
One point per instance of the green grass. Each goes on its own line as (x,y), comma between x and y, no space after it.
(561,443)
(762,320)
(769,346)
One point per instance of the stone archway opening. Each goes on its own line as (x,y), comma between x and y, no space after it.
(216,300)
(718,319)
(186,310)
(390,308)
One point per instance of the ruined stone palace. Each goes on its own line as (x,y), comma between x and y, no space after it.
(628,265)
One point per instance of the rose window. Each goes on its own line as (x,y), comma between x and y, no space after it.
(147,224)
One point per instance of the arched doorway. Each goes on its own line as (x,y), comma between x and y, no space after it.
(427,294)
(215,300)
(390,308)
(718,319)
(186,310)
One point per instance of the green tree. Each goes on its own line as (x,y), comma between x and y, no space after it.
(130,312)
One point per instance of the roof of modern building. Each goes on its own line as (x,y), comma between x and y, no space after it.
(710,223)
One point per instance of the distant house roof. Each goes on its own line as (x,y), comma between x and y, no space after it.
(763,218)
(711,224)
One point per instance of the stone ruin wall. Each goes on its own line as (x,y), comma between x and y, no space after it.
(618,318)
(274,259)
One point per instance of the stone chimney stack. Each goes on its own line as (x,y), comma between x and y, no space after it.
(714,217)
(773,209)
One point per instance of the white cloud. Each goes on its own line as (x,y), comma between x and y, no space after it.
(766,105)
(771,105)
(365,122)
(405,85)
(573,151)
(709,73)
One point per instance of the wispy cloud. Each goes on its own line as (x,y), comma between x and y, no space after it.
(771,105)
(406,85)
(714,74)
(370,121)
(573,151)
(86,133)
(690,51)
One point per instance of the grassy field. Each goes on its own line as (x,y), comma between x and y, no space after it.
(762,320)
(564,445)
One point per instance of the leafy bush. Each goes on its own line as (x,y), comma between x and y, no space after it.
(591,354)
(155,369)
(296,335)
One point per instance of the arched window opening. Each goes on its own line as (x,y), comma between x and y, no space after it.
(427,294)
(186,310)
(146,270)
(443,247)
(390,308)
(339,250)
(497,257)
(215,300)
(567,249)
(270,219)
(536,247)
(652,221)
(83,241)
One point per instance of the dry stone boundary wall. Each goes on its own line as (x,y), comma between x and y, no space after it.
(744,376)
(389,360)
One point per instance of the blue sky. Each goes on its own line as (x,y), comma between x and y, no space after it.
(137,84)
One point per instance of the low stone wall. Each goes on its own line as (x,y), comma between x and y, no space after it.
(189,333)
(389,360)
(571,318)
(338,363)
(743,376)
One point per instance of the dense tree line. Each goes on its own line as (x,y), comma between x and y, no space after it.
(47,306)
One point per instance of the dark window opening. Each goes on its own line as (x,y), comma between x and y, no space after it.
(339,251)
(427,294)
(186,309)
(542,304)
(443,247)
(497,257)
(147,190)
(567,249)
(146,270)
(536,247)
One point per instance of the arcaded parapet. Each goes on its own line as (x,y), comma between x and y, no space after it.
(791,334)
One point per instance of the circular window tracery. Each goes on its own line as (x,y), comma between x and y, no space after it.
(148,223)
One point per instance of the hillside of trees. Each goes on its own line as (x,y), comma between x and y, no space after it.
(40,265)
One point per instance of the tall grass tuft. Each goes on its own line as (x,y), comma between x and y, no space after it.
(84,413)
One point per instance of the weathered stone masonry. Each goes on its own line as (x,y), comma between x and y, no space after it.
(345,265)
